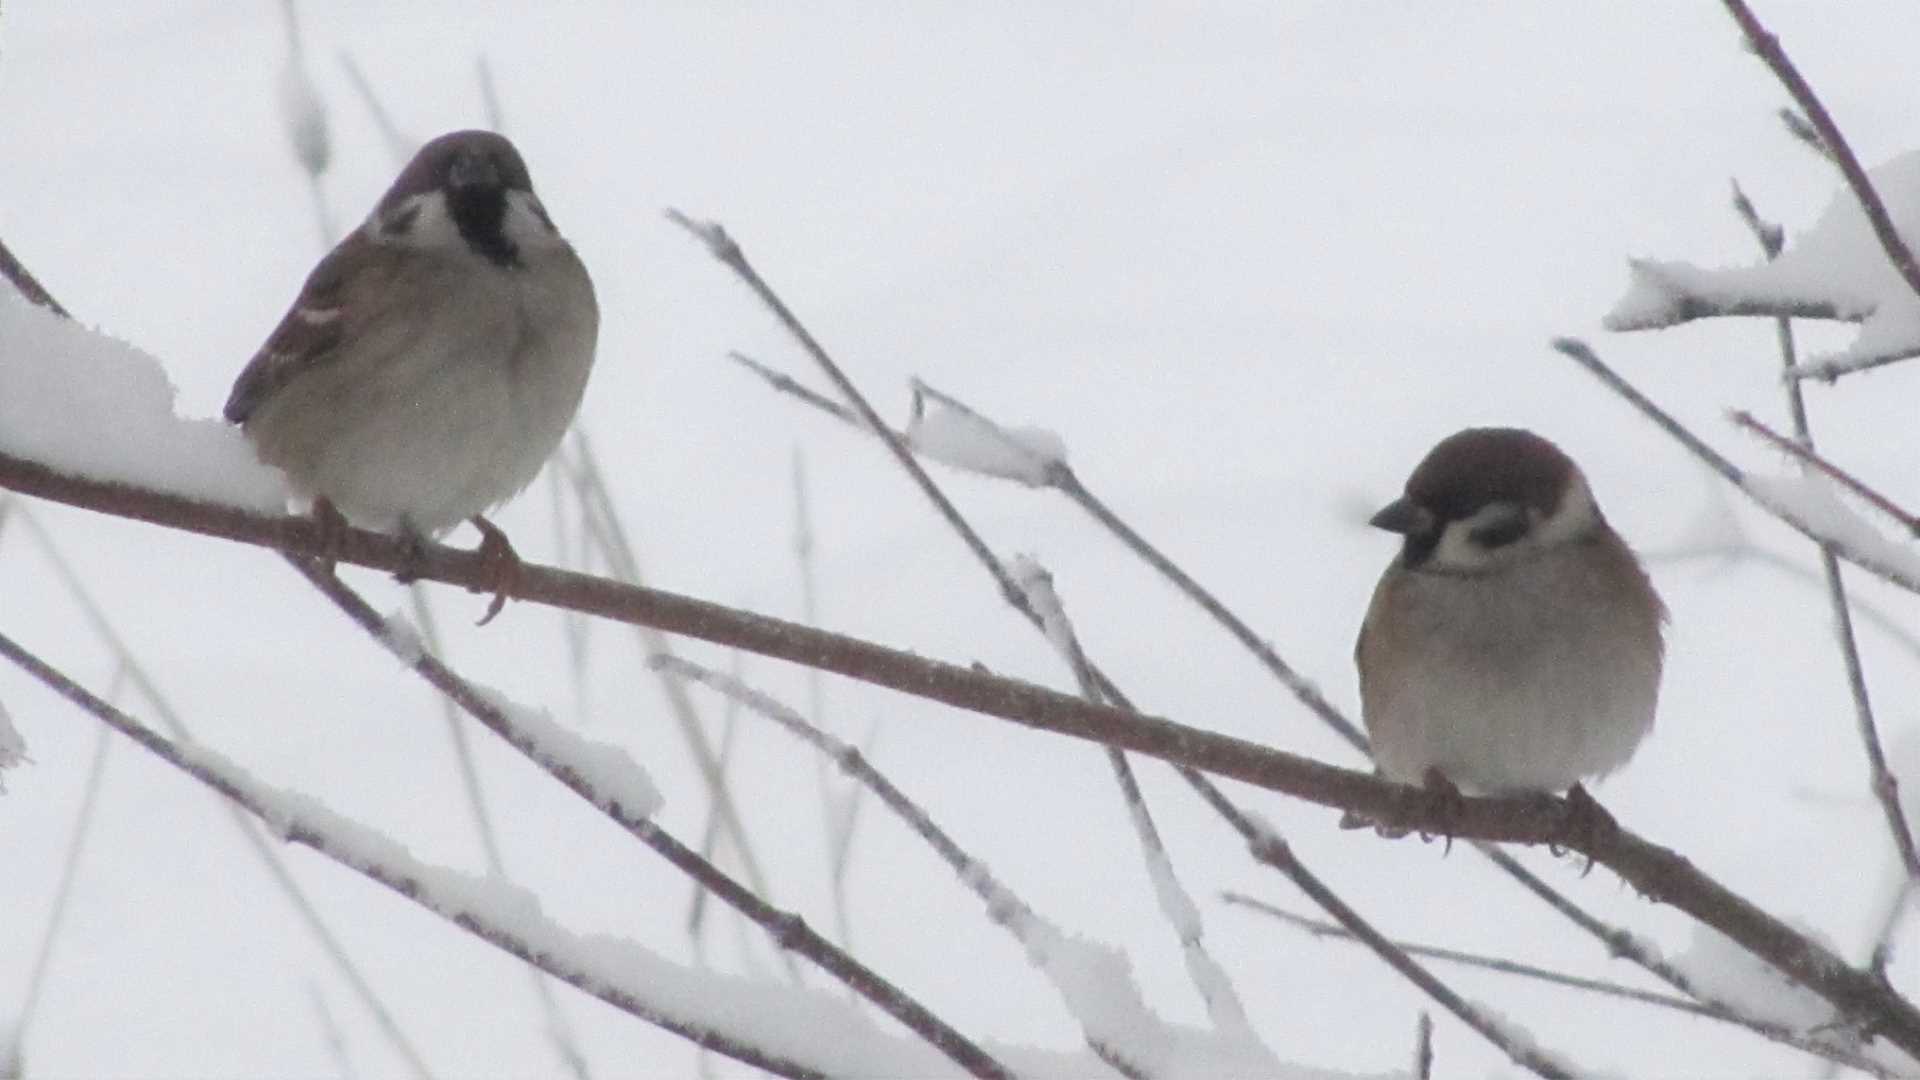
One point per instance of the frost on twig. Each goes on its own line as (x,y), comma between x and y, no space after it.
(1835,270)
(1176,906)
(945,430)
(1728,973)
(1812,501)
(13,748)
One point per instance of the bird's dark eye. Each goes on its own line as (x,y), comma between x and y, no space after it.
(1501,531)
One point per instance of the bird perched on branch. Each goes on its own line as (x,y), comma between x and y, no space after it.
(434,359)
(1514,644)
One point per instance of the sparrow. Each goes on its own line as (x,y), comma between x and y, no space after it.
(1514,645)
(434,358)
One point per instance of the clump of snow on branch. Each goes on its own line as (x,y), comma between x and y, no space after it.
(1036,582)
(1096,982)
(1813,501)
(86,404)
(13,748)
(1724,971)
(1837,269)
(967,440)
(615,778)
(402,638)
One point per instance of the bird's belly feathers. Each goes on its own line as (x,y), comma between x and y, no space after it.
(1529,682)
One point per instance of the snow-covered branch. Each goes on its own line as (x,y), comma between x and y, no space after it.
(1806,503)
(788,1032)
(1095,981)
(606,778)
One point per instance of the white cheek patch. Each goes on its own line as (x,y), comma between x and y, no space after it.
(1458,552)
(1574,518)
(421,221)
(527,224)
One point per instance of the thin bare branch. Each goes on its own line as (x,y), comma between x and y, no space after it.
(837,810)
(565,1044)
(1823,1048)
(1324,929)
(710,832)
(23,280)
(723,248)
(601,522)
(69,873)
(330,1032)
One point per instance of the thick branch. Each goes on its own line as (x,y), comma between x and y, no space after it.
(1659,873)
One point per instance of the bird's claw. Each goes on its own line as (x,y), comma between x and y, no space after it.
(501,566)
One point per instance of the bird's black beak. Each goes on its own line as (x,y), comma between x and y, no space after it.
(1403,517)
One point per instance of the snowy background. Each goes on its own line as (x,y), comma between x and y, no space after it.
(1249,261)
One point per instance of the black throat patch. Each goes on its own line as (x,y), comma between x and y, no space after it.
(480,213)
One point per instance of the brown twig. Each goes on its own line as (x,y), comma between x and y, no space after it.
(23,280)
(1810,457)
(1657,872)
(1767,46)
